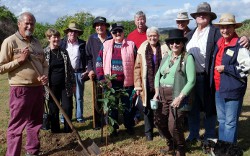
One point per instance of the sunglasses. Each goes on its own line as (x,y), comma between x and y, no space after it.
(181,21)
(117,31)
(175,41)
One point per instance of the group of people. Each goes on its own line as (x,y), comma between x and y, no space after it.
(204,69)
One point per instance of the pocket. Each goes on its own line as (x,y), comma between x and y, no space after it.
(185,104)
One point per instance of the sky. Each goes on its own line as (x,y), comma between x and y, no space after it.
(160,13)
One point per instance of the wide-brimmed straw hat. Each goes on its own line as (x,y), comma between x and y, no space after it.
(204,8)
(182,16)
(74,26)
(100,19)
(176,34)
(228,19)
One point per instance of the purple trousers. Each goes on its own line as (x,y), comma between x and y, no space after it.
(26,111)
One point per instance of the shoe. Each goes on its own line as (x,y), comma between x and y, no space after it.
(180,153)
(167,150)
(114,133)
(136,120)
(80,121)
(28,154)
(61,119)
(191,141)
(149,138)
(130,131)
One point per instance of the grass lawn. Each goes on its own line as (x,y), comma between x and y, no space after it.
(122,145)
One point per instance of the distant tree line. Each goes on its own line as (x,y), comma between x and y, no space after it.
(8,25)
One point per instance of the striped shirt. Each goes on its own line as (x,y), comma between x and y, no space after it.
(116,63)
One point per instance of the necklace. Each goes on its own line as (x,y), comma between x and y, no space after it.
(56,52)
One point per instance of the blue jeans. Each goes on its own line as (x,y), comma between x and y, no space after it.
(228,112)
(79,96)
(194,114)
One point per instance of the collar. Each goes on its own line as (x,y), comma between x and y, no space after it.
(21,37)
(74,43)
(108,37)
(232,43)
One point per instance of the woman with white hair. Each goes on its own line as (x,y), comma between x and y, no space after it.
(229,71)
(148,60)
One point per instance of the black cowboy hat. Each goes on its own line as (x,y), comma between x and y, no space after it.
(176,34)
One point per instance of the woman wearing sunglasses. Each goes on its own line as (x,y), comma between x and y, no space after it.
(118,57)
(174,81)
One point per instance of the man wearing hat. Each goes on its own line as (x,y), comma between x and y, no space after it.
(201,44)
(94,44)
(77,55)
(182,22)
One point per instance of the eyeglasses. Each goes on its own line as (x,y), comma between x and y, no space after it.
(117,31)
(175,41)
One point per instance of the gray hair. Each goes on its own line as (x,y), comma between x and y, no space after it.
(22,15)
(152,29)
(139,14)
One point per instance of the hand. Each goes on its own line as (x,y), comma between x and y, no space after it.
(74,88)
(91,74)
(220,68)
(176,103)
(138,92)
(244,41)
(83,75)
(43,79)
(24,55)
(156,97)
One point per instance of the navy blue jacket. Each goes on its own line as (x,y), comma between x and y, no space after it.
(232,85)
(82,44)
(93,47)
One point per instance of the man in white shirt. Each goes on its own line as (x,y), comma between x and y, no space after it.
(201,44)
(77,55)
